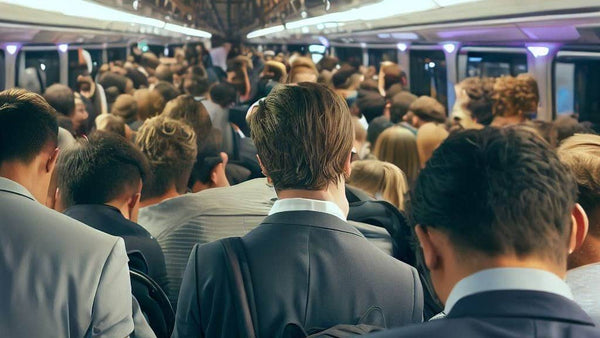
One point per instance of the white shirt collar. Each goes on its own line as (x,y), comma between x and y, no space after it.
(507,279)
(304,204)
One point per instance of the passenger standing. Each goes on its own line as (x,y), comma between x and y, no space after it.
(515,100)
(309,267)
(57,276)
(581,153)
(493,209)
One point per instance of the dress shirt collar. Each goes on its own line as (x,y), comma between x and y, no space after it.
(507,279)
(304,204)
(14,187)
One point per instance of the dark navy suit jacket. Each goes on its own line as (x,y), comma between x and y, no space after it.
(508,313)
(308,268)
(109,220)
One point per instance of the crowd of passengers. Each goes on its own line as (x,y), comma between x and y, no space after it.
(362,208)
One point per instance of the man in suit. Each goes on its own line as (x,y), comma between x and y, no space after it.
(99,183)
(309,268)
(496,218)
(58,277)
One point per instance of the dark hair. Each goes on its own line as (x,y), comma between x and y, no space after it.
(111,124)
(428,109)
(61,98)
(370,104)
(497,191)
(138,78)
(206,160)
(376,127)
(166,90)
(100,169)
(480,92)
(164,73)
(567,126)
(197,70)
(196,86)
(223,94)
(399,106)
(27,125)
(110,79)
(303,134)
(342,78)
(327,63)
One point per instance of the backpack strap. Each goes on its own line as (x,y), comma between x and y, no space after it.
(241,287)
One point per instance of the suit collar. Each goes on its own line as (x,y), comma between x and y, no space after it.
(312,219)
(305,204)
(15,188)
(520,304)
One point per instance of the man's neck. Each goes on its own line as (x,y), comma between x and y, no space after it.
(588,253)
(172,192)
(335,194)
(22,174)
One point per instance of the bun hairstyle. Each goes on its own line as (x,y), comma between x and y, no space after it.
(480,93)
(515,96)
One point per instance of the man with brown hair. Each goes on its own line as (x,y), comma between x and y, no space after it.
(308,267)
(582,154)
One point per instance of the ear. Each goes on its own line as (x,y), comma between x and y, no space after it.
(225,158)
(579,228)
(262,167)
(132,206)
(430,251)
(214,176)
(51,162)
(348,166)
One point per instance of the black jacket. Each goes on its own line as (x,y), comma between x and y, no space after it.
(109,220)
(307,268)
(507,313)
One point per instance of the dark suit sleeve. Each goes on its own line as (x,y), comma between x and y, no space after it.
(418,300)
(187,319)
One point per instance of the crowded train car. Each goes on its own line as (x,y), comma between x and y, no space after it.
(299,168)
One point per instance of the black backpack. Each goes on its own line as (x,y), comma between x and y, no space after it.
(241,288)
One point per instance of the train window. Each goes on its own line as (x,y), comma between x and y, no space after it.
(428,74)
(576,87)
(116,54)
(297,48)
(44,65)
(495,64)
(158,50)
(2,70)
(78,67)
(377,56)
(352,55)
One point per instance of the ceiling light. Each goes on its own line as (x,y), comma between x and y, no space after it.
(538,51)
(402,46)
(187,31)
(11,49)
(136,4)
(449,48)
(265,31)
(63,47)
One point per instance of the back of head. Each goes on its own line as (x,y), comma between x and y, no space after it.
(376,127)
(493,192)
(223,94)
(303,135)
(515,96)
(398,146)
(567,126)
(192,112)
(327,63)
(428,109)
(163,73)
(170,147)
(149,60)
(429,137)
(275,71)
(111,124)
(61,98)
(581,153)
(102,169)
(138,78)
(166,90)
(125,107)
(196,86)
(381,180)
(303,69)
(110,79)
(393,74)
(400,104)
(342,79)
(370,104)
(149,103)
(479,93)
(28,126)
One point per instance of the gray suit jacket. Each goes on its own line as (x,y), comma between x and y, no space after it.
(59,277)
(307,268)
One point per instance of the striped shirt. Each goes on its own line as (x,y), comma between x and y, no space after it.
(181,222)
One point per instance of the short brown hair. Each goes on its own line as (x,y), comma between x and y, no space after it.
(303,134)
(581,153)
(149,103)
(428,109)
(185,108)
(170,146)
(515,96)
(302,65)
(125,107)
(480,93)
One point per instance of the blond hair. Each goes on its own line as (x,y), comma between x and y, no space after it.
(581,153)
(398,146)
(375,177)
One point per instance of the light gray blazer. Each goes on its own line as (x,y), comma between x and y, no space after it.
(59,277)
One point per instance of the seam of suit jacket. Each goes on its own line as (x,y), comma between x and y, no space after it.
(307,278)
(415,286)
(320,227)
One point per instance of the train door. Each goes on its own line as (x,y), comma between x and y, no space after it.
(491,62)
(428,75)
(576,85)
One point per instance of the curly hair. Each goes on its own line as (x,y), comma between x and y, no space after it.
(170,146)
(480,93)
(515,96)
